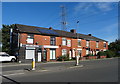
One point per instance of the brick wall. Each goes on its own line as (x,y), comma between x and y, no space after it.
(45,40)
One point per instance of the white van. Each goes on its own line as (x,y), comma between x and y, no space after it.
(6,57)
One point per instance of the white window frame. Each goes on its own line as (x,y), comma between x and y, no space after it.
(69,43)
(52,54)
(104,43)
(87,52)
(64,52)
(79,52)
(87,43)
(97,44)
(64,41)
(78,42)
(30,39)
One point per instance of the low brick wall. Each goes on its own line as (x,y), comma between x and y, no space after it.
(91,57)
(102,56)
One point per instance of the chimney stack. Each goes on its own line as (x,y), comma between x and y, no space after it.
(89,34)
(50,28)
(73,31)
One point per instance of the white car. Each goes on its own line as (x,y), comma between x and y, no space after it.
(7,57)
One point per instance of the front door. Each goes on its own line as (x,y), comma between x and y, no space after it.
(39,56)
(52,55)
(42,57)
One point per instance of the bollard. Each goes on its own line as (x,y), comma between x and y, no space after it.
(33,64)
(77,60)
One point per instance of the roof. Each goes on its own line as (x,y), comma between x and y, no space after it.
(53,32)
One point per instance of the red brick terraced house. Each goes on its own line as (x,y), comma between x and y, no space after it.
(47,44)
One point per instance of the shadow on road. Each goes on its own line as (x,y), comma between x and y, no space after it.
(13,81)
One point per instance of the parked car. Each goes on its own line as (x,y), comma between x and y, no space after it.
(6,57)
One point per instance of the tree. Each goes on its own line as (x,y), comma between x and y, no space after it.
(0,40)
(115,47)
(6,38)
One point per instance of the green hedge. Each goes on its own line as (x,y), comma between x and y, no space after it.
(64,57)
(90,55)
(101,53)
(107,53)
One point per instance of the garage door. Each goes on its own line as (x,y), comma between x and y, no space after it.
(30,54)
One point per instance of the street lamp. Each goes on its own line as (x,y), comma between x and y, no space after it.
(77,57)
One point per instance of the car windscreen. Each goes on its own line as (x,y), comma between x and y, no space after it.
(4,55)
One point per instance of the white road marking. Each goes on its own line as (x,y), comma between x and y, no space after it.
(76,66)
(14,74)
(14,65)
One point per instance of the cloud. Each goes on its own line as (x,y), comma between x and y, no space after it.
(104,6)
(86,7)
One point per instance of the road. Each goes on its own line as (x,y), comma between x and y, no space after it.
(105,70)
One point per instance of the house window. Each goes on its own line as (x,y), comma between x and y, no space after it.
(87,43)
(64,52)
(104,45)
(87,51)
(79,42)
(97,44)
(52,54)
(30,38)
(64,41)
(97,51)
(69,43)
(52,41)
(79,52)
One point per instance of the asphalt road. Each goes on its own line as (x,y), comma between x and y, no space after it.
(92,71)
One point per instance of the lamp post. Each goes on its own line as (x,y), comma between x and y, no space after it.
(77,56)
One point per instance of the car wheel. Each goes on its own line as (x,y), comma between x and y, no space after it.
(12,60)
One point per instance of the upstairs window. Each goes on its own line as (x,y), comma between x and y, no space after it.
(79,42)
(69,43)
(30,38)
(52,41)
(97,44)
(64,41)
(104,44)
(87,43)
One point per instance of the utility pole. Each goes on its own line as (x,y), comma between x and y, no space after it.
(63,15)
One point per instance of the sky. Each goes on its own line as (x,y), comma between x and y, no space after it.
(97,18)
